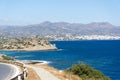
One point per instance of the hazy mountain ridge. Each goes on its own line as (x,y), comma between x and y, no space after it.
(61,28)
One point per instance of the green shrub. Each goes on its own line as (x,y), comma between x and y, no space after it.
(86,72)
(7,57)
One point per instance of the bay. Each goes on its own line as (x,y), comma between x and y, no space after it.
(103,55)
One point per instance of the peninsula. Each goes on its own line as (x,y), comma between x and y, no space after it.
(27,44)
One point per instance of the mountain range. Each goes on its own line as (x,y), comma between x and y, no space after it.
(61,28)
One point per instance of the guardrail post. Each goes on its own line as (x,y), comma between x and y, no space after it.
(25,74)
(19,77)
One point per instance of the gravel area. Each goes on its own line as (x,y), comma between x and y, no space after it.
(44,74)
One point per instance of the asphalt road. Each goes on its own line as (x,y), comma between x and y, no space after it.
(8,71)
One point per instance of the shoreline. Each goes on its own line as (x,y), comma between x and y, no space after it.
(87,40)
(26,44)
(29,49)
(33,66)
(35,62)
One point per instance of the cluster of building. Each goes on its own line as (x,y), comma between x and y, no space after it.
(82,37)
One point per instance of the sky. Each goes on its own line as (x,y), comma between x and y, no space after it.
(26,12)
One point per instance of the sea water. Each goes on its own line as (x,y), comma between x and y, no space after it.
(103,55)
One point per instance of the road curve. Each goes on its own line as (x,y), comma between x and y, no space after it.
(8,71)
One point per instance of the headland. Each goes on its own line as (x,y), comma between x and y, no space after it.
(26,44)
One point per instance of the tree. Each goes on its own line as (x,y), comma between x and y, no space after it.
(86,72)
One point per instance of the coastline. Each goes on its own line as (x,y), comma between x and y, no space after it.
(31,49)
(35,62)
(42,59)
(26,44)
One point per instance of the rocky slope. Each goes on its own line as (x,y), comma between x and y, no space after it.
(27,44)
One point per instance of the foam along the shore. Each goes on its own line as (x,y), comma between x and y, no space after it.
(35,61)
(13,72)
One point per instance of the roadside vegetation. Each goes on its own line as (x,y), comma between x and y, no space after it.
(86,72)
(7,57)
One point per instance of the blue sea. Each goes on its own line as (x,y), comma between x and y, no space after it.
(103,55)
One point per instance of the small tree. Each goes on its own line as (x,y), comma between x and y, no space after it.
(86,72)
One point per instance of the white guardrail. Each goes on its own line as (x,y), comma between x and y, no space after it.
(24,72)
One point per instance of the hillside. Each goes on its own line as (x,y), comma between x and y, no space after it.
(27,44)
(61,28)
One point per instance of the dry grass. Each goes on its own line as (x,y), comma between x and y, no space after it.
(32,75)
(58,73)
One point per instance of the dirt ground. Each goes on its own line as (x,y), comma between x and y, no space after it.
(58,73)
(32,75)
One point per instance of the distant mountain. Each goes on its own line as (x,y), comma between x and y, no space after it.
(61,28)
